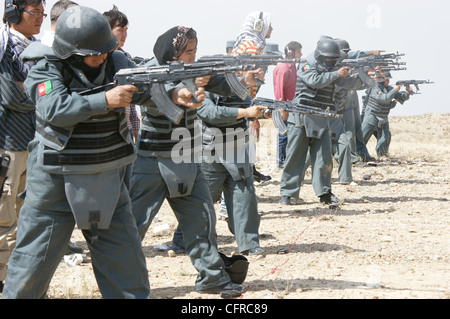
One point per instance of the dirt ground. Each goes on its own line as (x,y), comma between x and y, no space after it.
(389,238)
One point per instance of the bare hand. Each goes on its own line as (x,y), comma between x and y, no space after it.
(254,110)
(284,114)
(251,76)
(20,84)
(182,96)
(253,127)
(343,72)
(120,96)
(202,81)
(376,52)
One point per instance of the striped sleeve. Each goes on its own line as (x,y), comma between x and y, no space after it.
(248,47)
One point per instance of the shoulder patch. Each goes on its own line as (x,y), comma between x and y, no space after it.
(306,67)
(44,88)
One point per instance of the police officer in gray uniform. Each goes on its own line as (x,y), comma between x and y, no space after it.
(378,104)
(160,173)
(77,163)
(227,165)
(352,113)
(316,82)
(344,131)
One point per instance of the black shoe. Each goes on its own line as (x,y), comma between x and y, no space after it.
(329,199)
(258,177)
(1,286)
(367,158)
(258,251)
(177,249)
(74,250)
(285,200)
(226,291)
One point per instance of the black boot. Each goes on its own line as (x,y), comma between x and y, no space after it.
(257,176)
(329,199)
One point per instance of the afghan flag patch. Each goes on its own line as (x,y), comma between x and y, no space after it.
(306,67)
(44,88)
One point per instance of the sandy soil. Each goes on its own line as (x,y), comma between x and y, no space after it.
(388,239)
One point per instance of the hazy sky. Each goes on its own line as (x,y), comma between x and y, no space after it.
(417,28)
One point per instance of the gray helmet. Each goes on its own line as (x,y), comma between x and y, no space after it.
(82,31)
(327,48)
(343,44)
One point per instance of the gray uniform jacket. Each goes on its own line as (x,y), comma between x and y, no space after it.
(59,111)
(380,102)
(225,138)
(311,83)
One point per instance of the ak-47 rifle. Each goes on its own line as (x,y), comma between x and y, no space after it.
(260,61)
(386,62)
(5,159)
(408,83)
(274,106)
(154,78)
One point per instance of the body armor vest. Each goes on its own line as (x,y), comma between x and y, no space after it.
(378,108)
(322,98)
(159,135)
(101,143)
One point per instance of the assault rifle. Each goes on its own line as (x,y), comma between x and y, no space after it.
(385,56)
(416,83)
(5,159)
(361,65)
(274,106)
(154,78)
(261,61)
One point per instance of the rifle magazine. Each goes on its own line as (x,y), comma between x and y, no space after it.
(165,104)
(236,86)
(279,123)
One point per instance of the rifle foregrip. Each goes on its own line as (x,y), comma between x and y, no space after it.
(165,104)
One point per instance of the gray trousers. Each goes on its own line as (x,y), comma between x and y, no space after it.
(294,167)
(240,199)
(44,233)
(352,123)
(382,134)
(194,212)
(342,154)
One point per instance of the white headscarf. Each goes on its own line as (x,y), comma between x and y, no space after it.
(248,33)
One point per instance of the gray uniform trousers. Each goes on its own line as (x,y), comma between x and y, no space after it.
(341,150)
(296,151)
(240,199)
(371,126)
(44,233)
(352,122)
(194,212)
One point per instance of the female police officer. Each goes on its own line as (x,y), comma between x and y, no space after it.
(77,163)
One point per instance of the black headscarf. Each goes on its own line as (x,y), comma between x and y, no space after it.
(170,44)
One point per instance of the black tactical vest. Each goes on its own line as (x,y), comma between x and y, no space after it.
(101,139)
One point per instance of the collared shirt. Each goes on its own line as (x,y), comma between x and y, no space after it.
(133,120)
(284,81)
(17,114)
